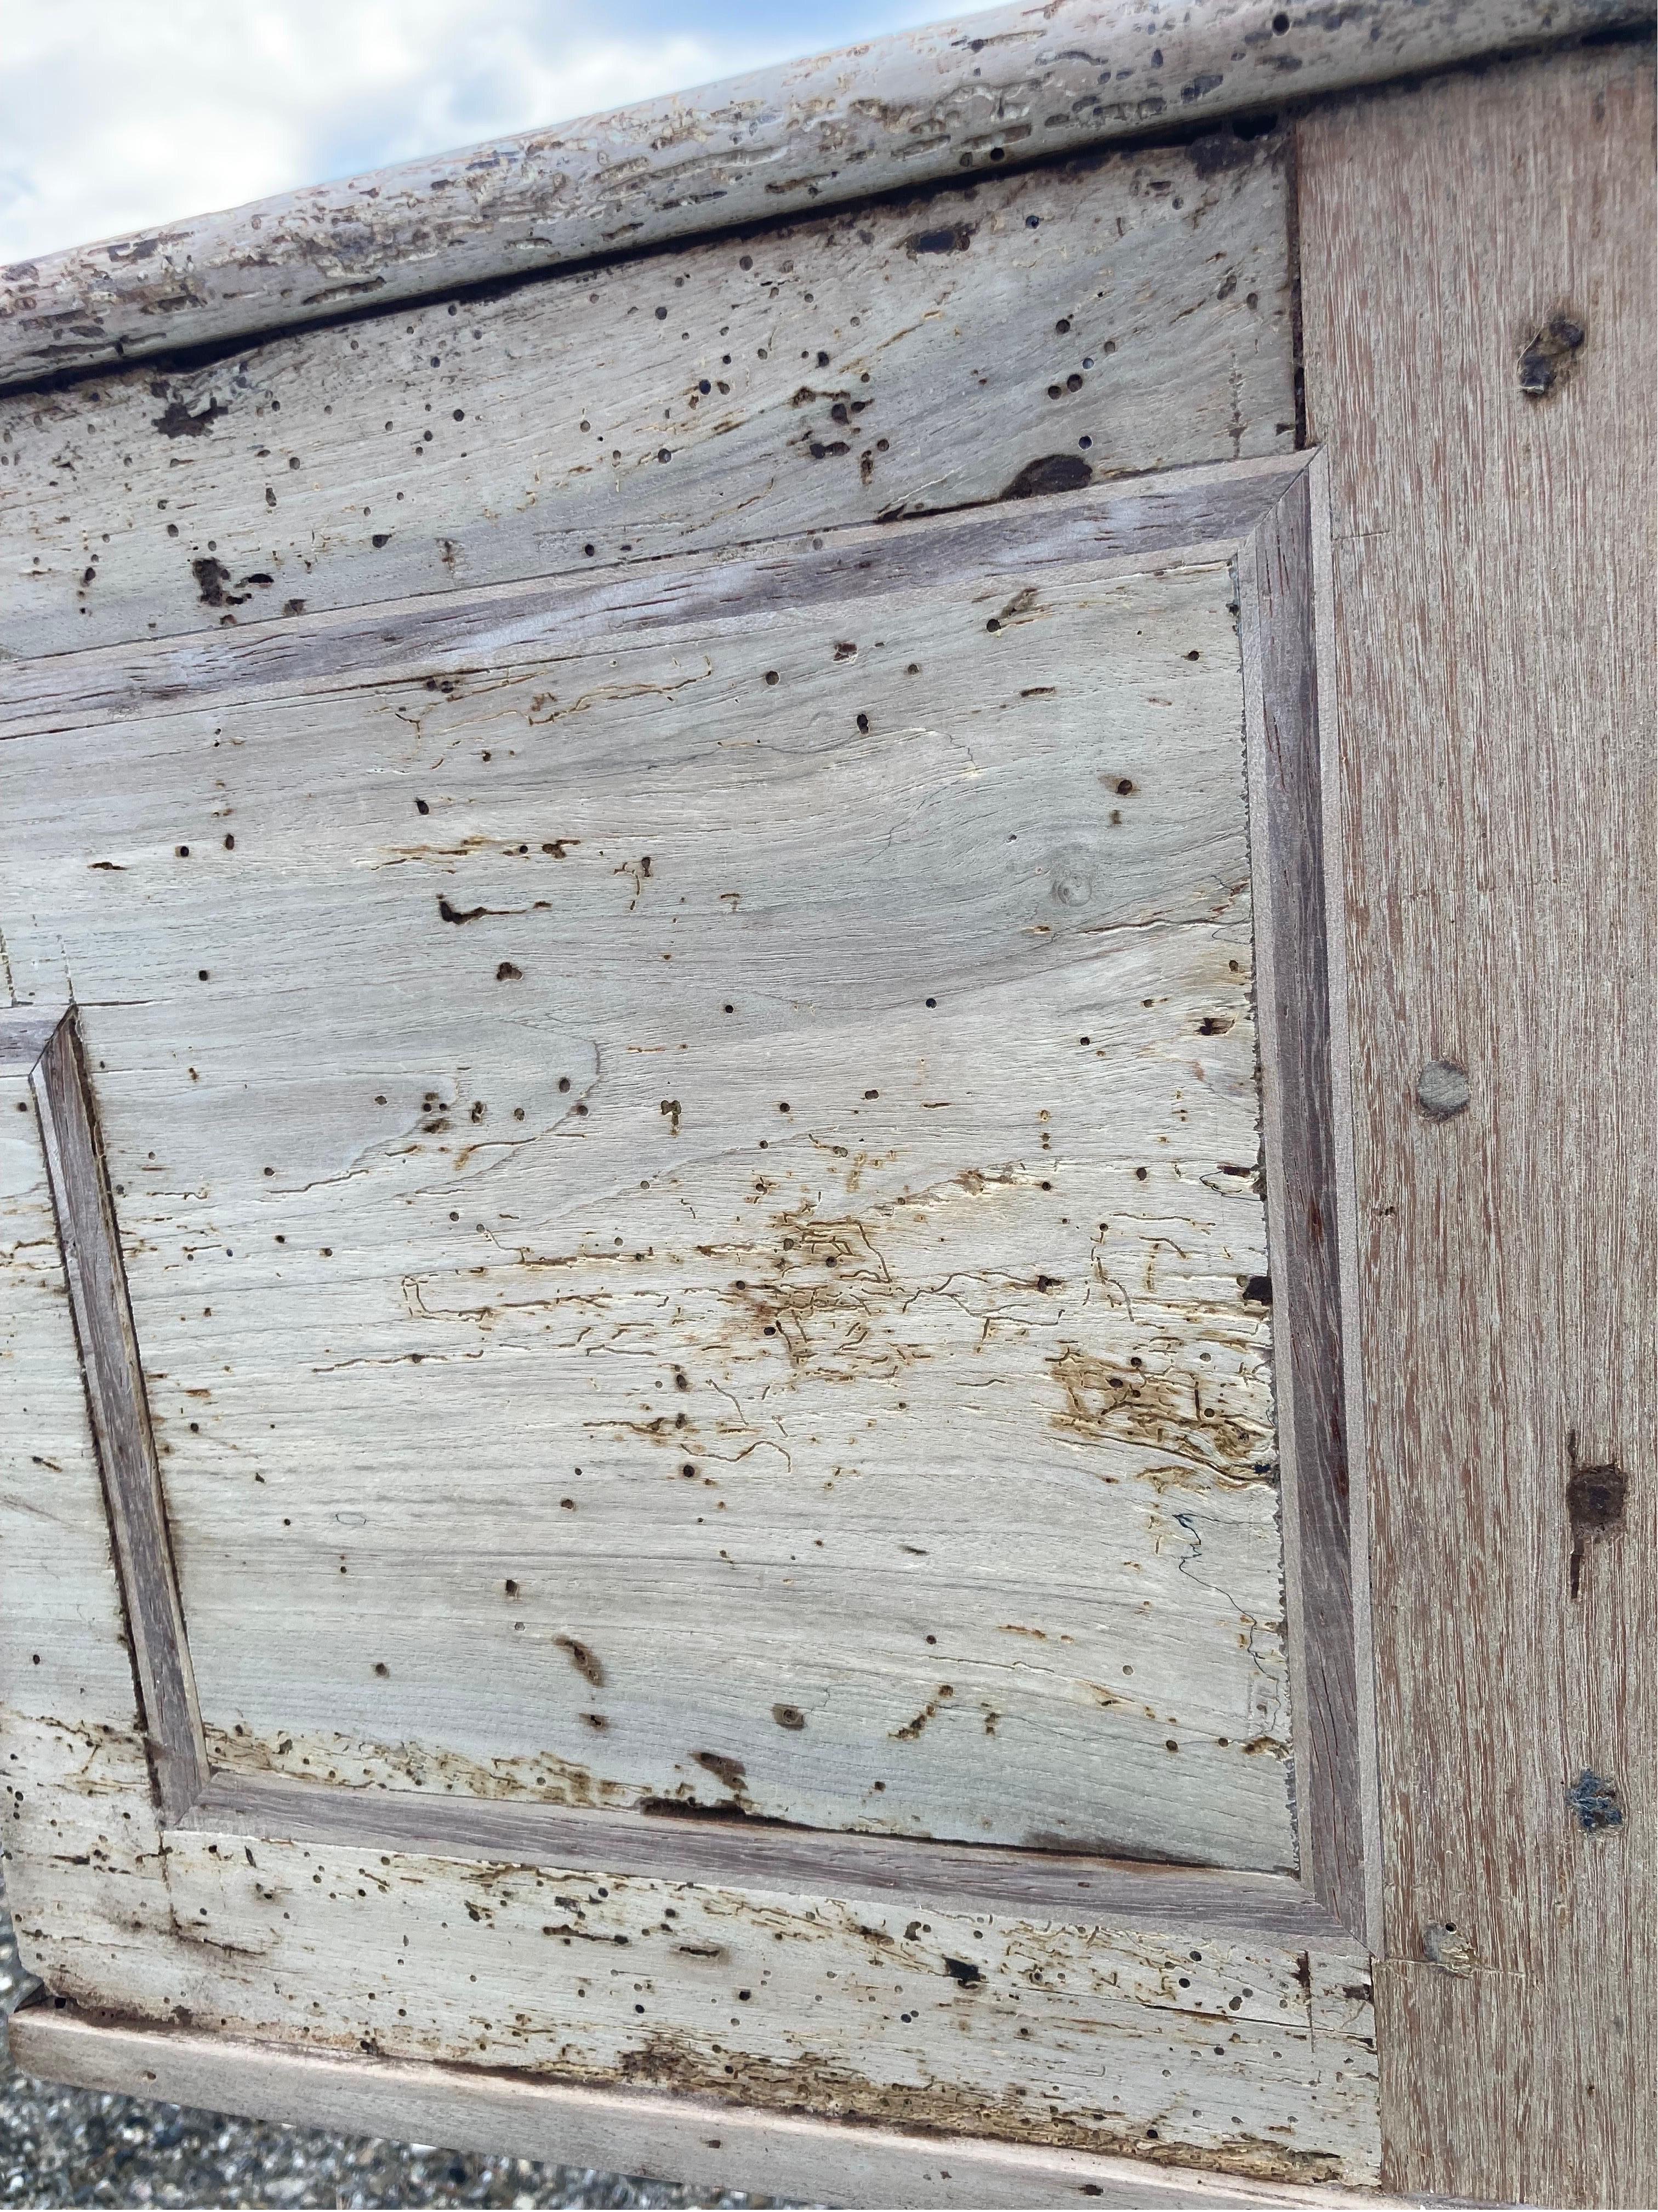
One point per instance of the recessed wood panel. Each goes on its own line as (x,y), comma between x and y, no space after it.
(693,1213)
(980,1989)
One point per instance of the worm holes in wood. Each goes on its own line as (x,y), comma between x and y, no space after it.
(1445,1946)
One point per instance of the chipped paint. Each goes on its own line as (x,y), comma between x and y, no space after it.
(894,111)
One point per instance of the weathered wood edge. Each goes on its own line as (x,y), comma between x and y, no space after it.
(119,1413)
(949,100)
(24,1036)
(1288,884)
(1347,1223)
(754,1855)
(691,2139)
(1175,515)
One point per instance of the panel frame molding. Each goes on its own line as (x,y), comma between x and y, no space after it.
(47,1048)
(1267,520)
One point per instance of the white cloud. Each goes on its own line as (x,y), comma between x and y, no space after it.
(119,114)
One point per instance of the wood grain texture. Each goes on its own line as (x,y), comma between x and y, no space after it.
(1141,521)
(54,1538)
(119,1411)
(691,2139)
(1495,607)
(1237,2056)
(24,1036)
(896,112)
(783,1311)
(80,1818)
(1189,1901)
(1126,312)
(1249,2058)
(939,2011)
(1253,2056)
(1277,624)
(1324,1541)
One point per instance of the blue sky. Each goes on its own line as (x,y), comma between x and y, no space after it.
(116,114)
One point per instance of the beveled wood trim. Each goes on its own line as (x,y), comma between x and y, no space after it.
(1258,516)
(118,1409)
(948,100)
(691,2139)
(738,1854)
(1322,1534)
(1173,514)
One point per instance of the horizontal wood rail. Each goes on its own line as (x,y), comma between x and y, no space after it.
(691,2138)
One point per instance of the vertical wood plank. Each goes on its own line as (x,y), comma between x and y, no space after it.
(1479,318)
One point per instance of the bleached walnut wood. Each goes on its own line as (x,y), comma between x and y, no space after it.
(1277,626)
(1113,1685)
(120,1414)
(1495,611)
(24,1036)
(1147,519)
(1269,2041)
(1195,1901)
(1252,2057)
(109,1917)
(80,1822)
(1303,1098)
(1013,82)
(692,2139)
(1247,2057)
(1129,312)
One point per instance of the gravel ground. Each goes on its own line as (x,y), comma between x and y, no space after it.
(61,2147)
